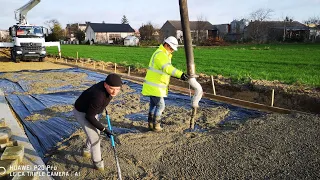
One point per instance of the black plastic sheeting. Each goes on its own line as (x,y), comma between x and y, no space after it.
(45,134)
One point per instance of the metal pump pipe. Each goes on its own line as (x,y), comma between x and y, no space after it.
(190,60)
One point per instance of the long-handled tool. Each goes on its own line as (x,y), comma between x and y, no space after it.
(114,148)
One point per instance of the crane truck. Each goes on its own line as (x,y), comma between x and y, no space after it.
(28,41)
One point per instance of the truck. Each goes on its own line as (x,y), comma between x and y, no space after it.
(28,40)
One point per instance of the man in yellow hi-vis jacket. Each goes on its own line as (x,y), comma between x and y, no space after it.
(157,80)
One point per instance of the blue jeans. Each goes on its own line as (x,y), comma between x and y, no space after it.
(157,105)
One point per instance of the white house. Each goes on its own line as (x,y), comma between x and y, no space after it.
(107,33)
(131,41)
(314,32)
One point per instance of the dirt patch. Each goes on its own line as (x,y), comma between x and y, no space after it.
(49,82)
(6,65)
(55,111)
(36,117)
(295,97)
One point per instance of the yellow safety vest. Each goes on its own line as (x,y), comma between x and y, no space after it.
(158,75)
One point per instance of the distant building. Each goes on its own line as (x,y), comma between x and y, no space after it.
(131,41)
(236,32)
(199,29)
(237,26)
(314,32)
(264,31)
(220,30)
(107,33)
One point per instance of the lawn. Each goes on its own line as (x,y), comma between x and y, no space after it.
(288,63)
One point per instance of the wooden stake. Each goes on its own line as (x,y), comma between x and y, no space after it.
(213,87)
(272,98)
(129,71)
(115,67)
(66,61)
(82,63)
(77,55)
(94,65)
(103,67)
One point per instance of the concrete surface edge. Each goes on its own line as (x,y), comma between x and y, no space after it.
(31,157)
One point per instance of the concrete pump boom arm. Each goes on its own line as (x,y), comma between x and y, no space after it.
(22,18)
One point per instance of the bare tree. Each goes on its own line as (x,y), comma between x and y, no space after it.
(257,27)
(313,20)
(261,14)
(201,32)
(51,23)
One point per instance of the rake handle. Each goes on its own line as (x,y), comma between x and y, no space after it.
(114,149)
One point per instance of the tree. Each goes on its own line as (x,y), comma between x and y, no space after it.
(57,33)
(80,35)
(124,20)
(313,20)
(261,14)
(146,31)
(257,29)
(72,29)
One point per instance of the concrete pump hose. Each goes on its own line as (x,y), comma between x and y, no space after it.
(198,92)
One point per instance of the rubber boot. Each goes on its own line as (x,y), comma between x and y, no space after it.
(150,121)
(99,165)
(86,152)
(157,124)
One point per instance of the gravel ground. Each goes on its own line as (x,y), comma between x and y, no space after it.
(274,146)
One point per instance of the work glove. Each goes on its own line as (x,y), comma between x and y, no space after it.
(184,77)
(109,133)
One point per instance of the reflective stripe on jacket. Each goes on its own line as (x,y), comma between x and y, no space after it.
(158,74)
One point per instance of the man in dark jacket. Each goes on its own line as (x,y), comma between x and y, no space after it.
(86,109)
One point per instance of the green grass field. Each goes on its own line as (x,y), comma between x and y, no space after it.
(289,63)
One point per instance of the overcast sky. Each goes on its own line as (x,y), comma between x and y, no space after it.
(140,12)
